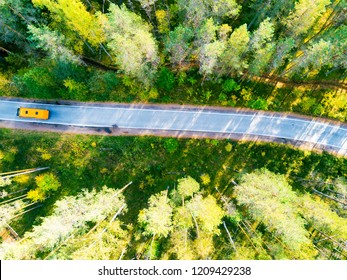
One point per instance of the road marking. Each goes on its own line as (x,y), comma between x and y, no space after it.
(203,111)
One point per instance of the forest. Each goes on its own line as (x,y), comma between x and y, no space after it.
(284,55)
(107,197)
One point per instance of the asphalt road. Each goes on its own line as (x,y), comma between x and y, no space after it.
(204,120)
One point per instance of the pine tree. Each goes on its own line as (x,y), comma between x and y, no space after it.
(131,43)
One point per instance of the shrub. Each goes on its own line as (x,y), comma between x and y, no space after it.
(103,82)
(205,179)
(228,147)
(166,79)
(45,184)
(171,145)
(259,104)
(230,85)
(35,82)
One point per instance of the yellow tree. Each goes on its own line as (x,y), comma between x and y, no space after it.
(75,16)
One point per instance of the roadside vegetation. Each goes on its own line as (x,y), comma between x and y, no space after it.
(187,199)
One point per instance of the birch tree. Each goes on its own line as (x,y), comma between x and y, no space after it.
(147,5)
(8,211)
(5,181)
(70,215)
(318,213)
(157,218)
(101,244)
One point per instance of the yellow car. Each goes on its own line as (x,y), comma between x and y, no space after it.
(34,113)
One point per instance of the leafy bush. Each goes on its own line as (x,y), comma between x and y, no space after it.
(259,104)
(228,147)
(230,85)
(35,82)
(103,82)
(205,179)
(45,184)
(166,79)
(171,145)
(76,90)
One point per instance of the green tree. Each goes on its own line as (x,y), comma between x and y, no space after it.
(305,14)
(233,59)
(181,243)
(269,199)
(53,43)
(178,44)
(72,214)
(207,213)
(197,11)
(131,42)
(314,58)
(163,21)
(262,35)
(209,57)
(195,222)
(262,47)
(282,53)
(187,187)
(15,15)
(76,18)
(274,9)
(206,33)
